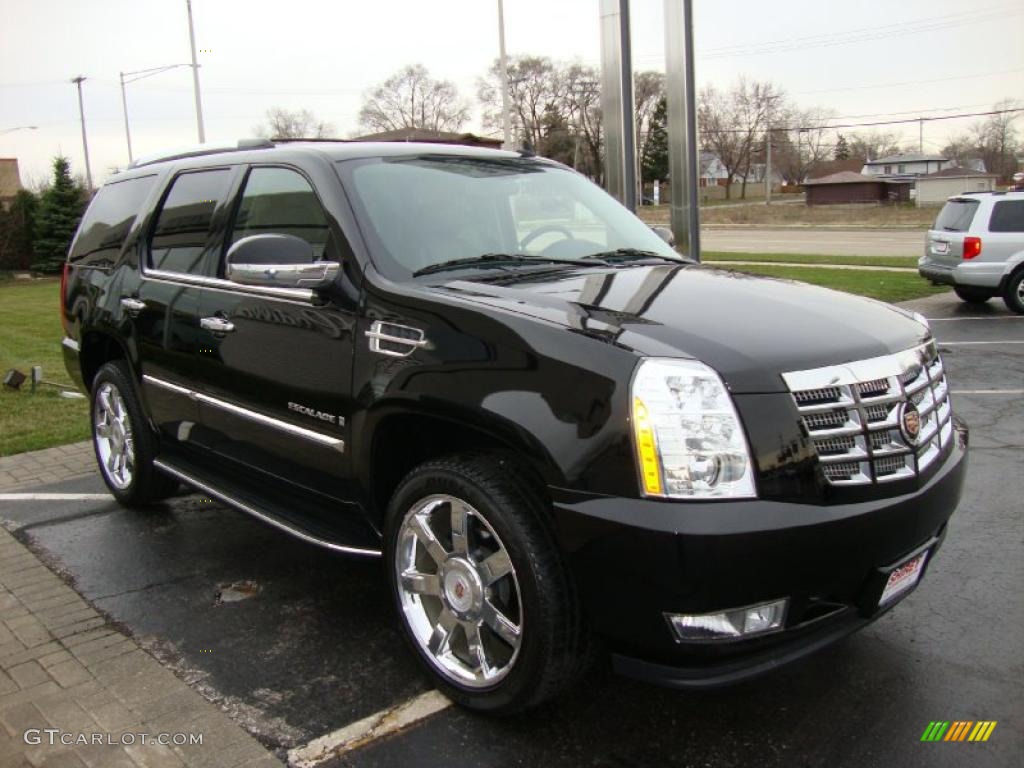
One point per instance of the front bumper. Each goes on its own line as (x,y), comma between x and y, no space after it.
(636,559)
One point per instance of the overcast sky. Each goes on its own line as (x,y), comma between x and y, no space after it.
(884,58)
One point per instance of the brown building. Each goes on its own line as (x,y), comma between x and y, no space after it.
(10,180)
(432,137)
(853,187)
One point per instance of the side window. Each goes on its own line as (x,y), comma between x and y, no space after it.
(181,238)
(1007,216)
(281,201)
(108,220)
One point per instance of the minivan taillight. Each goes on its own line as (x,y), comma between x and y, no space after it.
(972,247)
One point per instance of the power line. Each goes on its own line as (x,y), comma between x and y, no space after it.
(909,82)
(880,122)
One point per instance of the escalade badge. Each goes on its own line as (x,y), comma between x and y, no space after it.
(910,423)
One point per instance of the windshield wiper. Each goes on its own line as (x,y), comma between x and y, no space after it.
(491,258)
(630,254)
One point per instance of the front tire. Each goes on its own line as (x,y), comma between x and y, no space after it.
(1013,295)
(483,596)
(972,294)
(123,442)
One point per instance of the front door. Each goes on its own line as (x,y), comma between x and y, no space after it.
(275,365)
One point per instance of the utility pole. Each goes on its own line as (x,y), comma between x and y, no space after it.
(920,135)
(85,144)
(124,106)
(506,120)
(768,164)
(195,75)
(682,125)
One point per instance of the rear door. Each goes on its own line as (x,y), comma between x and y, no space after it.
(180,253)
(276,364)
(945,241)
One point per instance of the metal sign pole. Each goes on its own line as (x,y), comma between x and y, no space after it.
(617,102)
(682,125)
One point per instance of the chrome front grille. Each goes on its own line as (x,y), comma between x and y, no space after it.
(853,415)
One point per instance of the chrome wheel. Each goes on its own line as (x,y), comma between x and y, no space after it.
(112,431)
(459,591)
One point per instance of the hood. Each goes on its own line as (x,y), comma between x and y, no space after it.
(750,329)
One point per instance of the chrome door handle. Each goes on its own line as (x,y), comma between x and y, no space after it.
(132,306)
(217,325)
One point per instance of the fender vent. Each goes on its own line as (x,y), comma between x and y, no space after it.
(394,340)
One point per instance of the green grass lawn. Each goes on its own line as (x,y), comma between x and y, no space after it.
(30,335)
(909,262)
(887,286)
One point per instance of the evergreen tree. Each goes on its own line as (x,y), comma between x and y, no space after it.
(60,209)
(842,151)
(17,231)
(654,163)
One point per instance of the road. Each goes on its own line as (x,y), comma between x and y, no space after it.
(833,242)
(316,645)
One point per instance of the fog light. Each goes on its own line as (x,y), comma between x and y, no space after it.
(733,624)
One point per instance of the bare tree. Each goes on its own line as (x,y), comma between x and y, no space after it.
(997,141)
(733,124)
(411,98)
(537,89)
(293,124)
(804,143)
(872,145)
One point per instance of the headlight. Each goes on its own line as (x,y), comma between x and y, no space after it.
(689,440)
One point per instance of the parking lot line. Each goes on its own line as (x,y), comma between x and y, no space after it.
(975,343)
(973,317)
(55,496)
(987,392)
(362,732)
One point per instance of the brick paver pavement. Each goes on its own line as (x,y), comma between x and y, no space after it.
(63,666)
(50,465)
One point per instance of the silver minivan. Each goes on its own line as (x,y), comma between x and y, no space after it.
(977,245)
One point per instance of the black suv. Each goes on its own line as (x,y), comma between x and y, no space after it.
(553,428)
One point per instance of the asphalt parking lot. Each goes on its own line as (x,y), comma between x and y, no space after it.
(297,643)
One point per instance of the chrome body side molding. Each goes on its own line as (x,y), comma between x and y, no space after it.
(317,437)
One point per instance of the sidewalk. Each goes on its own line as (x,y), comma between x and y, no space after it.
(49,465)
(64,666)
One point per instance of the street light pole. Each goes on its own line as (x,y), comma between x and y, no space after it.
(195,75)
(124,106)
(506,120)
(85,144)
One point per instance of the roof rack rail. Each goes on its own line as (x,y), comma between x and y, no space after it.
(202,149)
(289,139)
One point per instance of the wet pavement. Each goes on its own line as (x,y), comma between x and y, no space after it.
(296,642)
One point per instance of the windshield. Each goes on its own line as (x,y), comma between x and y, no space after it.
(427,210)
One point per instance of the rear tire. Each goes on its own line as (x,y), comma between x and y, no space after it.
(124,444)
(493,644)
(972,294)
(1013,294)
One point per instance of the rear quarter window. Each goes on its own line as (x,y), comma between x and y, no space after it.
(1007,216)
(956,215)
(108,221)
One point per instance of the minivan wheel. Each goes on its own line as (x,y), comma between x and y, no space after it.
(124,445)
(1013,294)
(481,590)
(972,294)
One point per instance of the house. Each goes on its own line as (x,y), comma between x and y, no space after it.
(10,181)
(712,172)
(853,187)
(906,165)
(823,168)
(425,136)
(936,187)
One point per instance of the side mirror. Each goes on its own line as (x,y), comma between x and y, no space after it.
(665,234)
(278,261)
